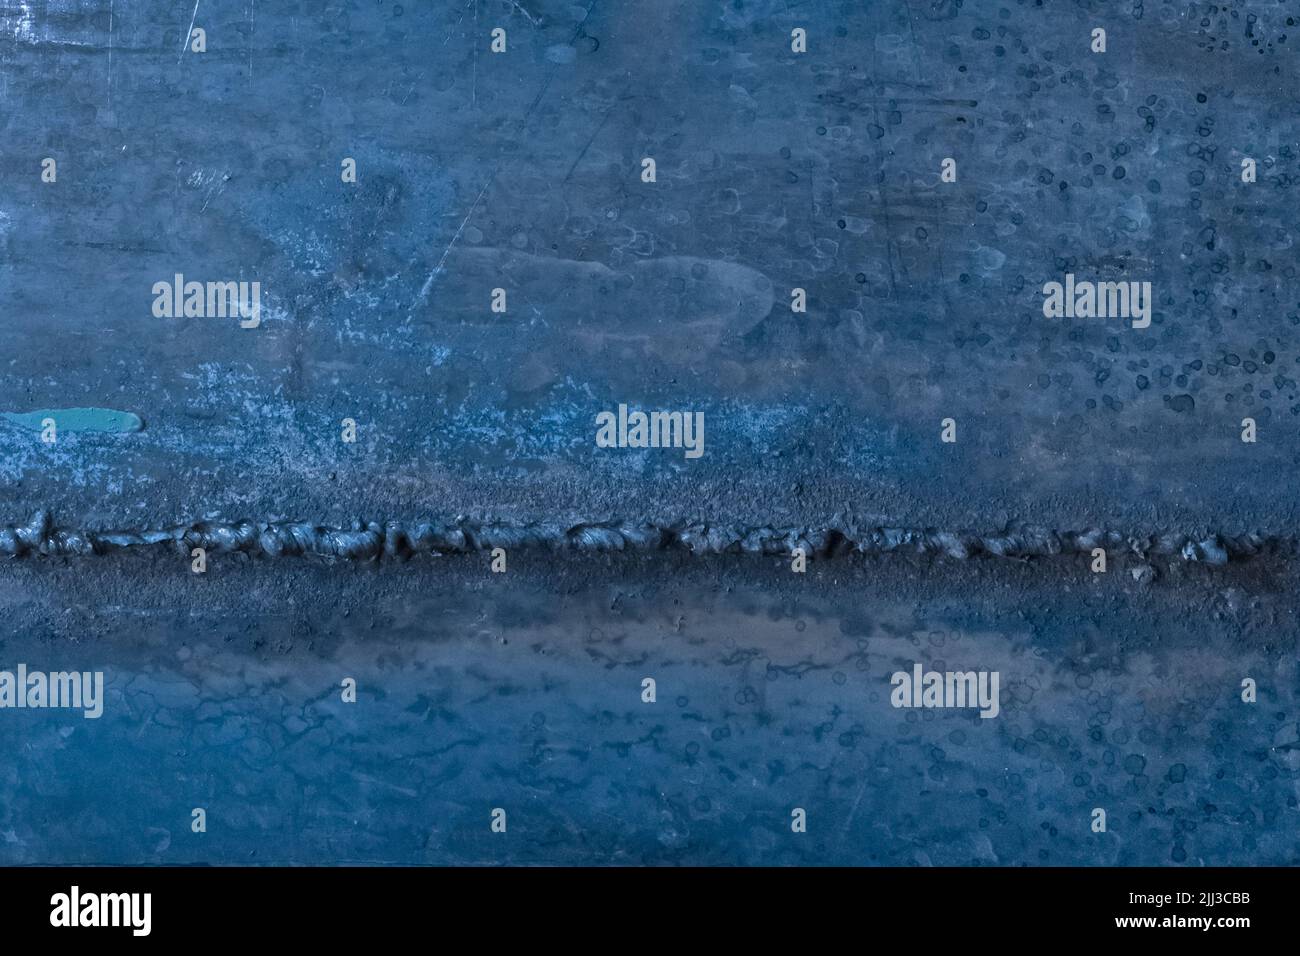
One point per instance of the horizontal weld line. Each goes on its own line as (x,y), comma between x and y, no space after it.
(363,541)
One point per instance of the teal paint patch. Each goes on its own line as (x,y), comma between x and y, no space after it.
(79,419)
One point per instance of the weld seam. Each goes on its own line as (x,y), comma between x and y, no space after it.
(363,541)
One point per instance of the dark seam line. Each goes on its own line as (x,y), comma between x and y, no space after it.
(397,539)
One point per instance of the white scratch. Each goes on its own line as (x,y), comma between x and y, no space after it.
(457,23)
(185,42)
(428,283)
(536,23)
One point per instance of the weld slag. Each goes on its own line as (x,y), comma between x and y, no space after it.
(398,539)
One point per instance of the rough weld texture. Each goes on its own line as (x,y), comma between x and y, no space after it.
(396,539)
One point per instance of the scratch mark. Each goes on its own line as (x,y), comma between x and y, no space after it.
(582,23)
(916,54)
(536,23)
(457,23)
(185,41)
(603,121)
(428,283)
(523,125)
(546,84)
(849,822)
(214,191)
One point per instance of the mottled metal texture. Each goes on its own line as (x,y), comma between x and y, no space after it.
(775,170)
(523,691)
